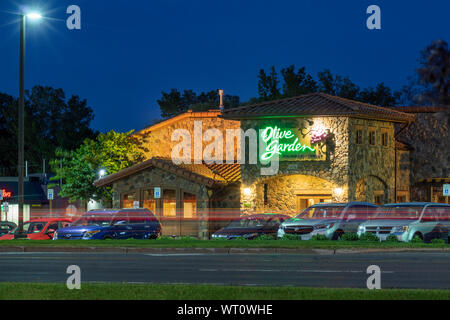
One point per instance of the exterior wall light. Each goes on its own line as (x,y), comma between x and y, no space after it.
(339,191)
(247,191)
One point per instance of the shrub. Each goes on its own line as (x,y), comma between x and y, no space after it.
(367,236)
(291,237)
(392,238)
(265,237)
(319,237)
(416,239)
(438,241)
(350,236)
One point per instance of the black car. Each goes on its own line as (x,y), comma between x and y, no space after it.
(251,227)
(6,226)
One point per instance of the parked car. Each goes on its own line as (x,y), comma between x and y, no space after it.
(6,226)
(39,229)
(425,220)
(251,227)
(329,219)
(112,224)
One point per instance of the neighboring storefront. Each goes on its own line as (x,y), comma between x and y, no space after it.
(330,149)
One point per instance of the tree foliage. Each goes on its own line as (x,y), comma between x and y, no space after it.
(175,102)
(51,120)
(434,74)
(295,83)
(79,168)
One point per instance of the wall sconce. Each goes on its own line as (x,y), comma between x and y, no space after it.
(247,191)
(339,191)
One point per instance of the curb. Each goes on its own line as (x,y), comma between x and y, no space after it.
(136,250)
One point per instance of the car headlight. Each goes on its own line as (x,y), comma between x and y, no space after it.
(400,229)
(324,226)
(361,229)
(89,234)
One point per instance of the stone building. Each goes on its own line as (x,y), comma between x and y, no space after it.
(428,139)
(355,143)
(285,156)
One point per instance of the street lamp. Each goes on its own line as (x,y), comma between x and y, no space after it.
(20,167)
(102,173)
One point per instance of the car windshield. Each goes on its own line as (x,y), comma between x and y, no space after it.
(94,220)
(32,227)
(247,223)
(321,212)
(406,212)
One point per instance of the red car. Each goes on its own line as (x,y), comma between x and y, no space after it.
(39,229)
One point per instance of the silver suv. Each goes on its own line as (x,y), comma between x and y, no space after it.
(425,220)
(329,219)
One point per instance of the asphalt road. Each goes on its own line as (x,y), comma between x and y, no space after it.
(398,270)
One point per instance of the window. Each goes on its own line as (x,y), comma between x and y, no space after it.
(148,200)
(121,216)
(128,199)
(190,205)
(359,136)
(169,203)
(384,139)
(372,137)
(53,226)
(266,193)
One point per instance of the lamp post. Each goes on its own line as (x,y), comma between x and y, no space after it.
(20,166)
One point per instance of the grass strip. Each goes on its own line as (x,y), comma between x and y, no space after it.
(123,291)
(188,243)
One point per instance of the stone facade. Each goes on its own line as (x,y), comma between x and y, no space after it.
(351,171)
(158,138)
(429,137)
(371,166)
(155,177)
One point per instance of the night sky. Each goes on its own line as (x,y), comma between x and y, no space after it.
(127,52)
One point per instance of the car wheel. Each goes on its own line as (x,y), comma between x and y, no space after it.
(338,235)
(107,238)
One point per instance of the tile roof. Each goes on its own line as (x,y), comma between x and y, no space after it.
(316,104)
(210,175)
(421,109)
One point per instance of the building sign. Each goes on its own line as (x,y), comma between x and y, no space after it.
(294,143)
(50,194)
(446,190)
(6,194)
(157,193)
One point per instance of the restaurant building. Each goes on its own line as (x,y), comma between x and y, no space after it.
(308,149)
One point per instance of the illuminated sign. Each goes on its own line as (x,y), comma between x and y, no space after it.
(294,144)
(6,194)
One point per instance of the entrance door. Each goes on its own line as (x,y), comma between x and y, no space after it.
(305,201)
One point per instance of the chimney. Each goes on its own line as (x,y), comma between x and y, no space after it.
(221,99)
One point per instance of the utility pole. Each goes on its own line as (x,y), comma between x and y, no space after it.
(20,166)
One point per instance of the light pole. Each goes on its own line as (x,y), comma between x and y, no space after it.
(20,166)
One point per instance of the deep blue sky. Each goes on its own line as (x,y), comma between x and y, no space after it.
(127,52)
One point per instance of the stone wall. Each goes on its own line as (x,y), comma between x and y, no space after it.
(155,177)
(403,173)
(429,136)
(371,167)
(333,170)
(158,139)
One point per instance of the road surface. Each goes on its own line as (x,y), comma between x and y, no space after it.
(398,270)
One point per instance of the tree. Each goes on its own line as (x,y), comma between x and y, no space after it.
(174,102)
(380,96)
(268,85)
(297,83)
(434,74)
(79,168)
(50,121)
(337,85)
